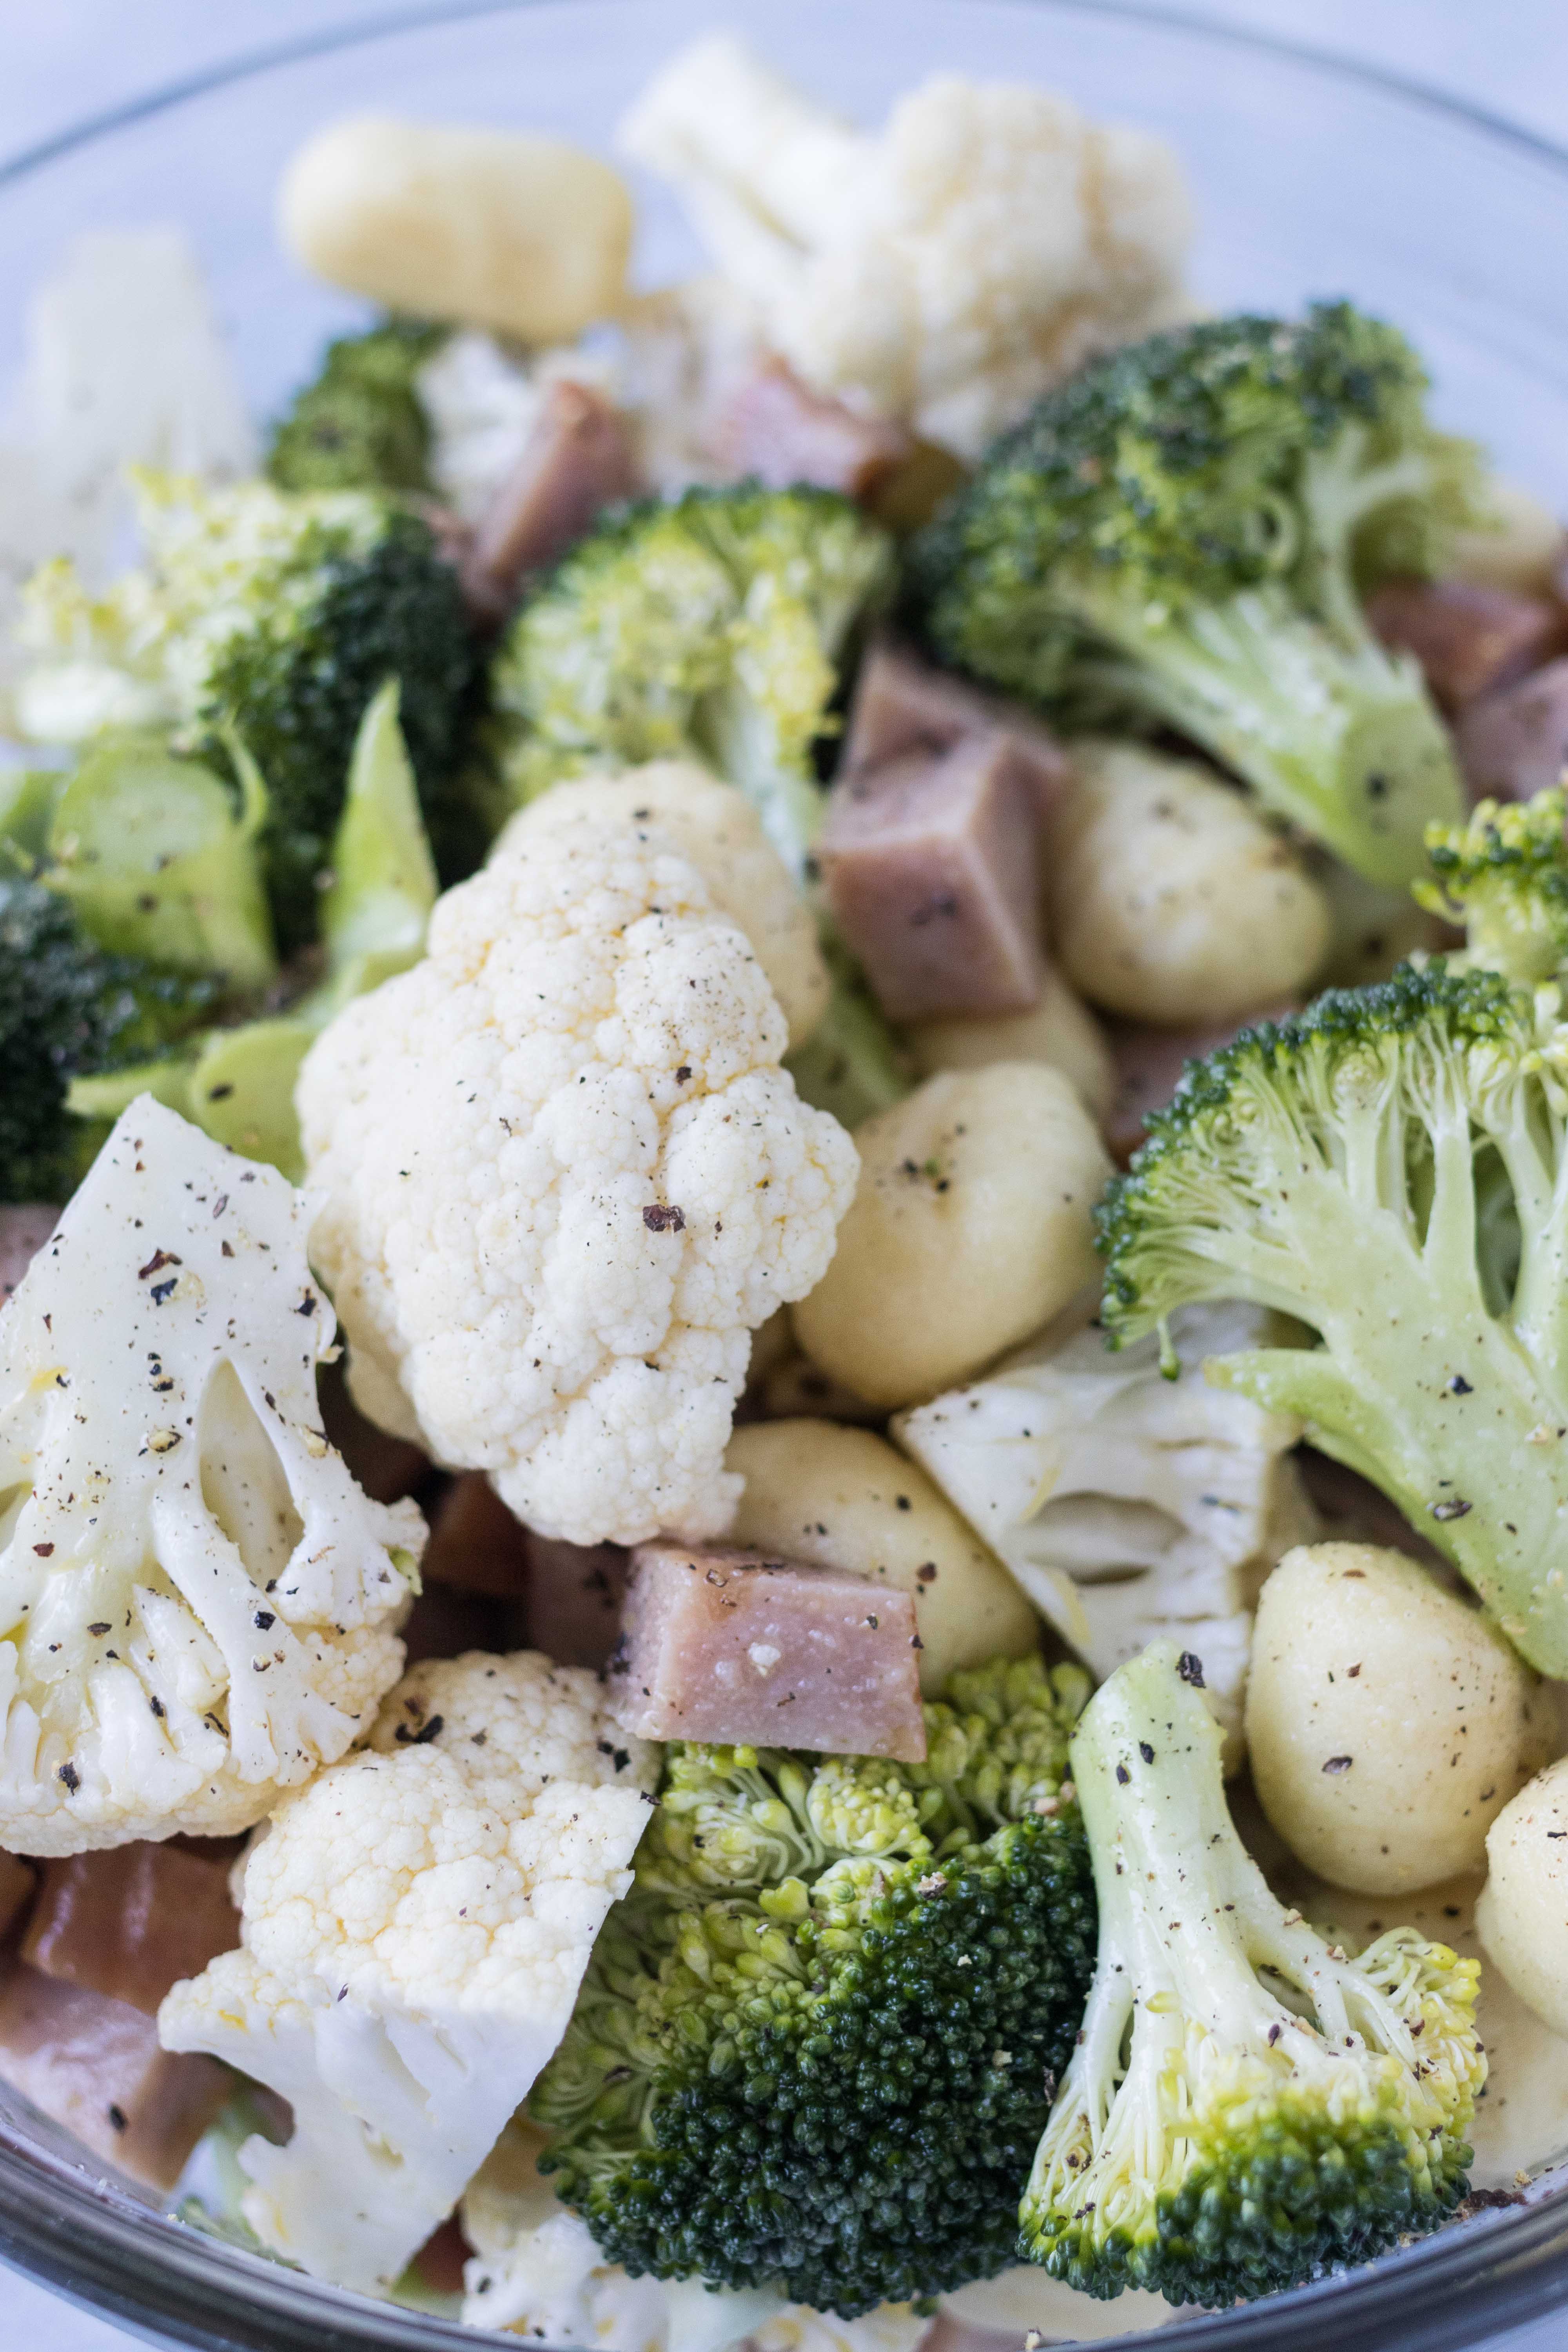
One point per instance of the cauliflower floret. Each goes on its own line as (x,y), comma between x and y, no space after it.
(197,1604)
(946,272)
(1130,1507)
(722,832)
(563,1178)
(537,2272)
(415,1926)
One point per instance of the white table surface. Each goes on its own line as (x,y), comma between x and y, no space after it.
(65,59)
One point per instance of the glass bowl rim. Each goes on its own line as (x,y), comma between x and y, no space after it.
(65,2200)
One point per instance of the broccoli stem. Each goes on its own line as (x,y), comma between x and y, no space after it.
(1419,1386)
(1244,2104)
(1329,729)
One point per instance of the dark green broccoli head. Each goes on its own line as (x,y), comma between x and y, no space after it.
(67,1006)
(1178,533)
(1389,1168)
(295,683)
(358,425)
(817,2044)
(1245,2105)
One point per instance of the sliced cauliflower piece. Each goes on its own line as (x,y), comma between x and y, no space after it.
(1130,1507)
(537,2272)
(946,272)
(198,1607)
(416,1924)
(563,1178)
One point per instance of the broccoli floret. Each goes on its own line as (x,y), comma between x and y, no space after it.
(1389,1168)
(358,424)
(1245,2106)
(276,616)
(1504,877)
(68,1006)
(816,2041)
(1178,535)
(714,628)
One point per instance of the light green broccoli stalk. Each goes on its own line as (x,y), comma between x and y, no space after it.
(276,617)
(717,629)
(1389,1168)
(238,1082)
(1181,533)
(158,863)
(1504,877)
(1245,2107)
(816,2045)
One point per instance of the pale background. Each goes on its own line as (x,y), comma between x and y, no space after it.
(65,59)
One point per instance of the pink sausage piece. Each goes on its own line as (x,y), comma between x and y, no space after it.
(773,429)
(902,705)
(575,1595)
(131,1922)
(1513,744)
(724,1646)
(1469,639)
(1148,1066)
(931,863)
(576,461)
(94,2066)
(23,1230)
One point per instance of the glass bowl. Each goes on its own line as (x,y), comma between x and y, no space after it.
(1313,178)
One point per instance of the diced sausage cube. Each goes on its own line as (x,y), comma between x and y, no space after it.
(773,429)
(575,1595)
(18,1884)
(931,864)
(576,461)
(1468,638)
(1513,744)
(94,2066)
(23,1230)
(724,1646)
(475,1542)
(1148,1062)
(131,1922)
(902,705)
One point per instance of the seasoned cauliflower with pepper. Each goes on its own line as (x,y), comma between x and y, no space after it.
(415,1926)
(946,272)
(564,1179)
(198,1607)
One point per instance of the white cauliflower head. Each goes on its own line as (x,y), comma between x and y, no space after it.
(197,1604)
(563,1178)
(537,2272)
(1130,1507)
(415,1926)
(946,272)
